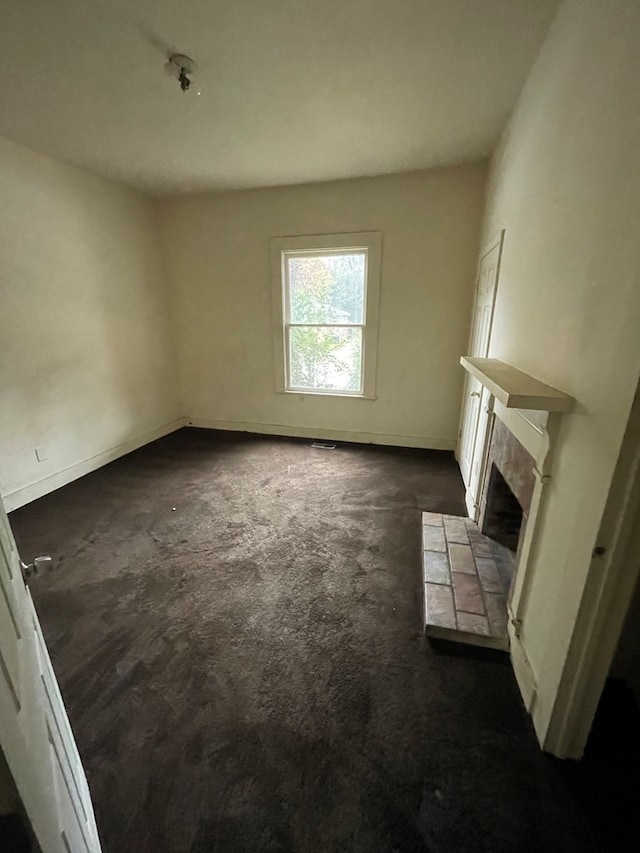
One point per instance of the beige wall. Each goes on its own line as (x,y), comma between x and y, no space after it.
(85,361)
(217,249)
(565,184)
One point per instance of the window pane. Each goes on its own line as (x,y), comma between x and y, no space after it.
(325,359)
(327,288)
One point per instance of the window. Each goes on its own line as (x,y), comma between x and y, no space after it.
(325,307)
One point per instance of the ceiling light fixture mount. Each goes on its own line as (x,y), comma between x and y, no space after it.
(182,68)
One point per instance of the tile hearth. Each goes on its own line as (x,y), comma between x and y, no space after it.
(466,581)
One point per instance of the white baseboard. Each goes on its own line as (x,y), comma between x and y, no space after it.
(39,488)
(333,434)
(522,670)
(472,508)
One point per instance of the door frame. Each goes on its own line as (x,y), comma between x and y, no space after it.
(611,580)
(474,508)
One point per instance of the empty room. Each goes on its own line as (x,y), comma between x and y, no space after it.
(319,426)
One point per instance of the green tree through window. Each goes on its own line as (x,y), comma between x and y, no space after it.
(326,298)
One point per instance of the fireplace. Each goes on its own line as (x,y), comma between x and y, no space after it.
(524,419)
(505,499)
(503,515)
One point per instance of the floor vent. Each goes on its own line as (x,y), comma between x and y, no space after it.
(323,445)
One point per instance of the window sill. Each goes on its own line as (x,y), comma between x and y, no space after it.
(303,393)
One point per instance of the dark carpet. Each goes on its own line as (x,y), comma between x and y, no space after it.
(605,781)
(236,624)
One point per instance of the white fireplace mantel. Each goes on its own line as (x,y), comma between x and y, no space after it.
(531,411)
(515,389)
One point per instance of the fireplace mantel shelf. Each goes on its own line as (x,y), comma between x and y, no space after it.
(515,389)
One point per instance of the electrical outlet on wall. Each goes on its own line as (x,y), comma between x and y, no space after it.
(41,453)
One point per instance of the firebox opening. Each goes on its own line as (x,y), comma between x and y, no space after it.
(503,515)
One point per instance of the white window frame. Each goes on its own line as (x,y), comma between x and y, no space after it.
(281,247)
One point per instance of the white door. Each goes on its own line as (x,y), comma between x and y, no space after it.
(35,734)
(473,423)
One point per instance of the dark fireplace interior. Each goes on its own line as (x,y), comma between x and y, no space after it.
(503,515)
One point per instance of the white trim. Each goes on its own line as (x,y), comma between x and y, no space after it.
(534,439)
(469,499)
(39,488)
(292,431)
(605,601)
(514,388)
(348,394)
(472,496)
(371,241)
(522,670)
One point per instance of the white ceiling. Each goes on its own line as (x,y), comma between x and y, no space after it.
(292,90)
